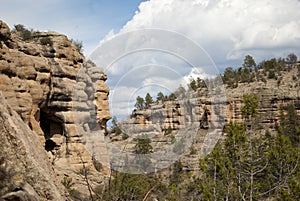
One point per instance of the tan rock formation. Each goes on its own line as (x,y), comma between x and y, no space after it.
(59,95)
(163,117)
(28,171)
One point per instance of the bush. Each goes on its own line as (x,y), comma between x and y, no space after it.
(23,32)
(125,136)
(46,41)
(169,130)
(68,183)
(143,145)
(271,75)
(292,58)
(91,62)
(78,44)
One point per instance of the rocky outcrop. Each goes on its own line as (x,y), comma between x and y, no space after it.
(164,119)
(26,172)
(46,80)
(272,97)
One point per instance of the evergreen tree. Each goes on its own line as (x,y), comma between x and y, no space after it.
(193,84)
(292,58)
(140,103)
(148,100)
(160,96)
(249,63)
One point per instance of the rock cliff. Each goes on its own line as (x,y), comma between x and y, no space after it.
(26,172)
(272,96)
(173,116)
(57,94)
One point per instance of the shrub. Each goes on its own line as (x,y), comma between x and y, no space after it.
(271,75)
(68,183)
(292,58)
(143,145)
(169,130)
(46,41)
(125,136)
(23,32)
(78,44)
(91,62)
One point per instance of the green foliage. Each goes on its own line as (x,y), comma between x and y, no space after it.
(148,100)
(245,75)
(249,63)
(78,44)
(230,77)
(177,173)
(84,171)
(269,64)
(46,41)
(23,32)
(173,139)
(249,166)
(115,127)
(290,123)
(292,58)
(160,96)
(169,130)
(200,83)
(172,97)
(125,136)
(125,186)
(143,145)
(193,84)
(271,75)
(68,183)
(140,103)
(91,62)
(249,109)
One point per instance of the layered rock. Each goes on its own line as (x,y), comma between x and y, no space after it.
(26,172)
(163,120)
(272,97)
(59,95)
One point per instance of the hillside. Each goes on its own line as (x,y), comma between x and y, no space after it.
(272,90)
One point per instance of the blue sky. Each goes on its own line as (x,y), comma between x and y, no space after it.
(85,20)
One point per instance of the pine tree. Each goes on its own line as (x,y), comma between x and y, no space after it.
(148,100)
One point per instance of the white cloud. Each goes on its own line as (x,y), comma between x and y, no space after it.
(226,29)
(190,36)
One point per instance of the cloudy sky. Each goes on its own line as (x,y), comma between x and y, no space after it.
(156,45)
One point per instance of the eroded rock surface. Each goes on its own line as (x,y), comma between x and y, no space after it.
(58,95)
(26,172)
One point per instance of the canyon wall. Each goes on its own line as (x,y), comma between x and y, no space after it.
(56,92)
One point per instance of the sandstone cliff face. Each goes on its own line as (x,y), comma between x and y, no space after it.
(26,172)
(272,96)
(59,95)
(174,115)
